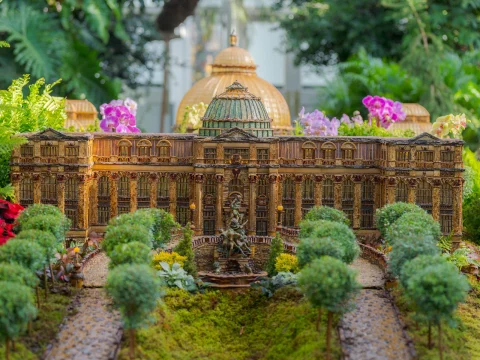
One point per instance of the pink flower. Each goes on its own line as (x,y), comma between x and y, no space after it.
(119,116)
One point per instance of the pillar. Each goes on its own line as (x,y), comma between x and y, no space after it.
(357,201)
(82,201)
(153,179)
(113,195)
(133,192)
(15,178)
(318,190)
(37,189)
(252,205)
(412,191)
(272,205)
(61,192)
(94,200)
(219,204)
(391,188)
(173,195)
(377,196)
(457,207)
(298,199)
(337,192)
(436,199)
(199,204)
(279,190)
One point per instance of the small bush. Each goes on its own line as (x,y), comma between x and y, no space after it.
(23,252)
(131,253)
(339,232)
(390,213)
(144,219)
(311,248)
(268,286)
(175,276)
(471,218)
(287,263)
(276,248)
(124,234)
(169,258)
(49,223)
(327,213)
(184,248)
(404,251)
(18,274)
(418,264)
(43,238)
(411,225)
(41,210)
(163,225)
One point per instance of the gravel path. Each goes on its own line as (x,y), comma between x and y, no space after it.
(373,331)
(94,332)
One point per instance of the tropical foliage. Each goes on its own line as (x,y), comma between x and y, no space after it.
(287,263)
(169,257)
(175,276)
(184,248)
(276,248)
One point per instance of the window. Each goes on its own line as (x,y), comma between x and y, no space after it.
(210,155)
(103,198)
(328,193)
(26,191)
(48,150)
(143,192)
(288,189)
(308,193)
(348,151)
(163,188)
(262,156)
(446,208)
(367,204)
(262,186)
(72,150)
(71,201)
(26,150)
(401,192)
(424,156)
(71,189)
(288,202)
(347,199)
(143,148)
(235,185)
(447,156)
(182,187)
(308,150)
(329,149)
(123,195)
(103,186)
(182,215)
(49,190)
(424,196)
(243,152)
(164,148)
(210,186)
(209,221)
(124,148)
(402,157)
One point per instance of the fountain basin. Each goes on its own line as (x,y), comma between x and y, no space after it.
(230,281)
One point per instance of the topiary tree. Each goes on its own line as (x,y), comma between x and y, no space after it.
(144,219)
(276,248)
(18,274)
(341,234)
(135,290)
(16,310)
(311,248)
(328,284)
(327,213)
(164,224)
(184,248)
(43,209)
(49,223)
(436,291)
(404,251)
(124,234)
(390,213)
(413,224)
(130,253)
(412,267)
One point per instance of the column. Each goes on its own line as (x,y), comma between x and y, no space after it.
(16,186)
(279,190)
(153,179)
(272,205)
(377,180)
(198,204)
(94,200)
(252,204)
(391,188)
(318,190)
(37,189)
(412,191)
(457,207)
(133,192)
(61,192)
(113,195)
(436,199)
(337,192)
(357,201)
(173,195)
(298,199)
(219,204)
(82,209)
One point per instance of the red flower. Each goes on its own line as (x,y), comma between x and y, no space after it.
(11,211)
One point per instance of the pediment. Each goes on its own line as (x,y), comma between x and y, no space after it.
(52,134)
(235,134)
(424,137)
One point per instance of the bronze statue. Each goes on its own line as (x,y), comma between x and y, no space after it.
(234,239)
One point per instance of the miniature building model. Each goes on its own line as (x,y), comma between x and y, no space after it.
(93,177)
(80,114)
(418,119)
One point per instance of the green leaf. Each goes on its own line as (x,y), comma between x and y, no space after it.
(97,16)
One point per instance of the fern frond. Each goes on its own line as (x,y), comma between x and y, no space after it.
(4,44)
(7,193)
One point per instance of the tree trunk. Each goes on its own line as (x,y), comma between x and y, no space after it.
(37,293)
(7,348)
(51,274)
(329,332)
(440,340)
(166,76)
(319,318)
(45,282)
(430,344)
(131,333)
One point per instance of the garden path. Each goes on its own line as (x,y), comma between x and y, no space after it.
(373,331)
(94,331)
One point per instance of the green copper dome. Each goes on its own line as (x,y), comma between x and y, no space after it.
(236,107)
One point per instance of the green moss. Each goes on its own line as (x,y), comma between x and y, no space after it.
(44,329)
(233,325)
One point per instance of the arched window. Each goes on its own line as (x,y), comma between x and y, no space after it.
(143,148)
(103,199)
(123,195)
(347,199)
(401,192)
(26,191)
(328,150)
(327,193)
(348,151)
(49,190)
(367,204)
(164,148)
(308,150)
(446,208)
(235,185)
(424,195)
(124,148)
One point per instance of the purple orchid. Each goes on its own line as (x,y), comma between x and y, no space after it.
(317,123)
(384,111)
(119,116)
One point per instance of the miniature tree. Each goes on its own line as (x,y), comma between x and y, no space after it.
(404,251)
(390,213)
(327,213)
(144,219)
(339,232)
(17,309)
(184,248)
(436,291)
(413,224)
(135,291)
(43,209)
(312,248)
(328,283)
(164,223)
(130,253)
(276,248)
(124,234)
(18,274)
(287,263)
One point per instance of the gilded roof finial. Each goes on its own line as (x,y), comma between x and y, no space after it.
(233,38)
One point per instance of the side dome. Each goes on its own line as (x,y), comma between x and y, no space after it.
(236,107)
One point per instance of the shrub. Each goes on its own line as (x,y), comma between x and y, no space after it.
(41,210)
(341,234)
(311,248)
(390,213)
(411,225)
(169,258)
(287,263)
(184,248)
(18,274)
(418,264)
(327,213)
(130,253)
(175,276)
(471,220)
(409,249)
(135,291)
(268,286)
(49,223)
(124,234)
(276,248)
(43,238)
(23,252)
(144,219)
(163,225)
(16,308)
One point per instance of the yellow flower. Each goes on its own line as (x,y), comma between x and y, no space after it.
(286,262)
(76,249)
(169,258)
